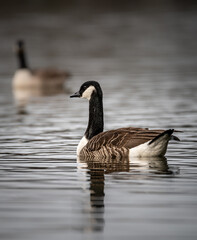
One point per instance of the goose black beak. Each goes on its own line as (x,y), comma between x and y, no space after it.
(77,94)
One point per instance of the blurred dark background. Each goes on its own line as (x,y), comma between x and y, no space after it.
(101,37)
(96,5)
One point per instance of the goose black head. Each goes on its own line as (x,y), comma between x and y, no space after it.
(89,89)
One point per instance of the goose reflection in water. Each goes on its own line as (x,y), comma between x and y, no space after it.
(96,170)
(23,97)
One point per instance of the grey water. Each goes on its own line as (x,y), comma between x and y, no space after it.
(146,63)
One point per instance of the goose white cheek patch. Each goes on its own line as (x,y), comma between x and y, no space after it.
(88,92)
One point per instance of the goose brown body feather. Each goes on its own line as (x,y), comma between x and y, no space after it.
(50,73)
(119,140)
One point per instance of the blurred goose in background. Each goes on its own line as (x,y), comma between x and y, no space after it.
(24,77)
(118,143)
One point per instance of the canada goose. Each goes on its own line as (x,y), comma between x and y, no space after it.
(132,142)
(38,78)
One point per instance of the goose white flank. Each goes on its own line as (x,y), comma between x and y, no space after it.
(121,142)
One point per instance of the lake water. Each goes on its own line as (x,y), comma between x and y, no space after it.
(146,63)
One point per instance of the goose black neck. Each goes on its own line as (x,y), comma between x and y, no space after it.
(22,59)
(95,123)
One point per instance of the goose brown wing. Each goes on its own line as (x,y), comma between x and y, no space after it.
(122,137)
(50,73)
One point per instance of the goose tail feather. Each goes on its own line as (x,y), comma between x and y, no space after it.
(166,135)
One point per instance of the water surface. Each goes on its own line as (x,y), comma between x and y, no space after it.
(146,65)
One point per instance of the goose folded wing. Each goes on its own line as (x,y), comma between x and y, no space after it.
(49,73)
(122,137)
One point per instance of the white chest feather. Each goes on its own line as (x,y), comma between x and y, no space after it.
(22,77)
(81,144)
